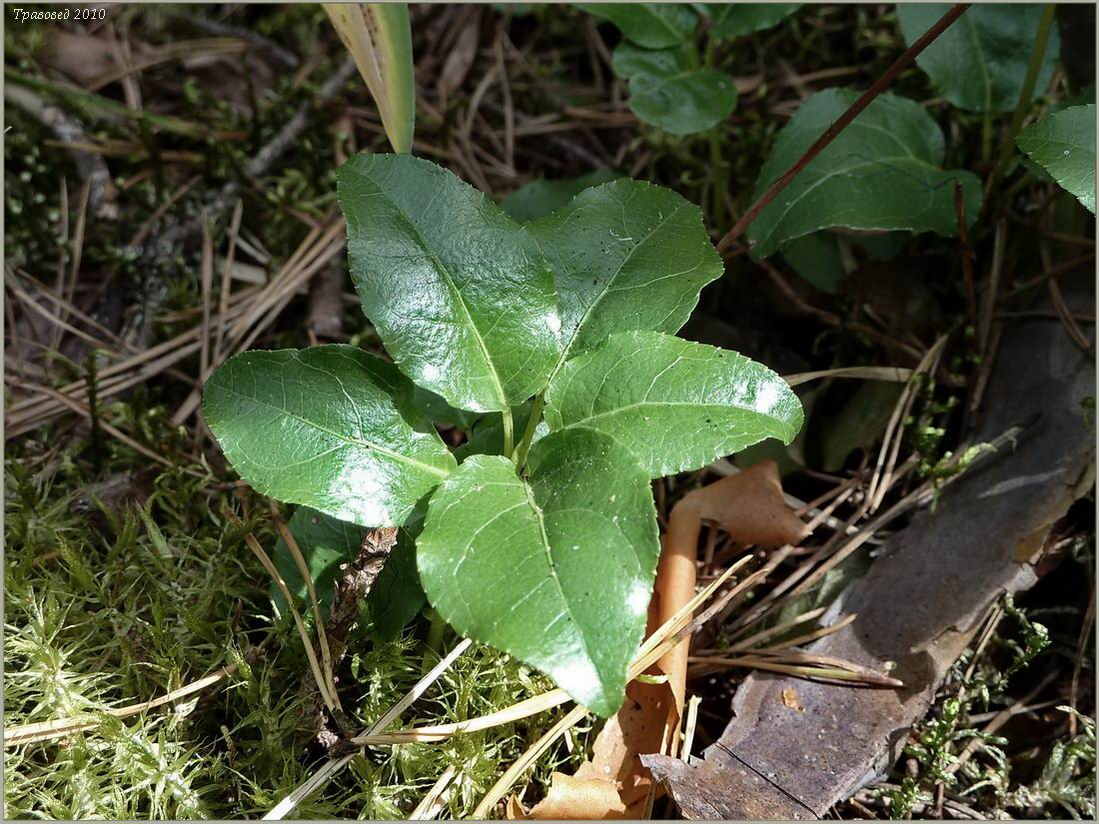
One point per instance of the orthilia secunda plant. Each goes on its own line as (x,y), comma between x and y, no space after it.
(552,344)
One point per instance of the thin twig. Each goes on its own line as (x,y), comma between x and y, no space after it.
(833,131)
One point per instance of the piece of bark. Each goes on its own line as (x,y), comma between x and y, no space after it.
(919,605)
(351,590)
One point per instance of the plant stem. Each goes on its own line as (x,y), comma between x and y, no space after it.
(1025,95)
(844,121)
(509,431)
(434,641)
(719,176)
(528,434)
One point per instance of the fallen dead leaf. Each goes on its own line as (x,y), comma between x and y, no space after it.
(575,798)
(750,506)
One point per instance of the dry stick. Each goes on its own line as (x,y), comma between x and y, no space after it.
(207,287)
(77,252)
(833,131)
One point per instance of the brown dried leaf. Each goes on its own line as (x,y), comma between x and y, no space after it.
(574,798)
(749,506)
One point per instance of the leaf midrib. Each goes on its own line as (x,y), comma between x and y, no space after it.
(674,404)
(455,292)
(607,288)
(540,518)
(434,470)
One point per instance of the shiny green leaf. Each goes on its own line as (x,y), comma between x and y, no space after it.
(458,291)
(329,427)
(542,197)
(675,404)
(882,172)
(736,19)
(667,91)
(652,25)
(980,62)
(626,255)
(556,570)
(1064,145)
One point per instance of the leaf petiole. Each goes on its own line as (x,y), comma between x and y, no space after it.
(520,455)
(509,430)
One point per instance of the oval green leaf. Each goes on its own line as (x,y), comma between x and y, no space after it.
(980,62)
(675,404)
(882,172)
(652,25)
(736,19)
(1064,145)
(666,91)
(625,255)
(540,198)
(556,570)
(458,291)
(329,427)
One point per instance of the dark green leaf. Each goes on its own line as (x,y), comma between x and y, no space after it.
(324,543)
(458,291)
(556,570)
(735,19)
(542,197)
(882,172)
(437,410)
(396,596)
(1064,145)
(626,255)
(652,25)
(329,427)
(980,62)
(667,91)
(817,258)
(675,404)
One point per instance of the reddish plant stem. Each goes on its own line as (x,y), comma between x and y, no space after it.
(880,85)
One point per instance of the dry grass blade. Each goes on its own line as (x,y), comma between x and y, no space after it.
(432,803)
(48,730)
(524,762)
(379,38)
(322,683)
(891,442)
(303,569)
(333,766)
(896,374)
(832,670)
